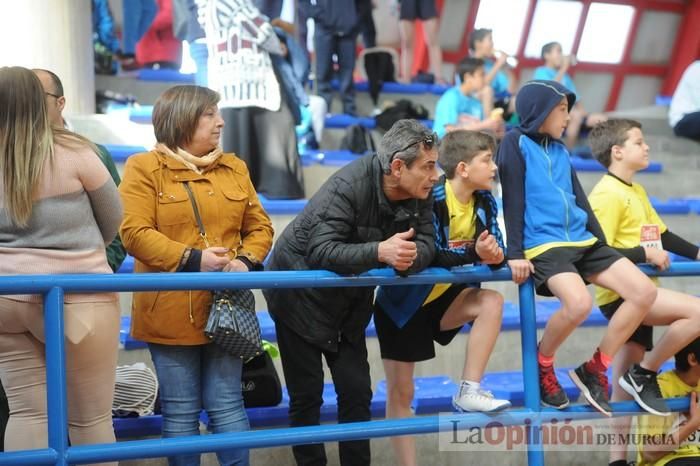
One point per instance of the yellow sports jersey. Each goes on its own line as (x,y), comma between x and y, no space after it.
(671,386)
(462,231)
(627,218)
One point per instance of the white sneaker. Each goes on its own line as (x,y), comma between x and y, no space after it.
(469,399)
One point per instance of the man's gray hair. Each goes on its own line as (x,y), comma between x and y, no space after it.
(402,134)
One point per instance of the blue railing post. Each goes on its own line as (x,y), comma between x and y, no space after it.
(56,373)
(528,328)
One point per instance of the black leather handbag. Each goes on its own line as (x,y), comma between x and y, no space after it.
(232,322)
(260,383)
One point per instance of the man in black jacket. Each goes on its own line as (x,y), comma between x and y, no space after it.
(374,212)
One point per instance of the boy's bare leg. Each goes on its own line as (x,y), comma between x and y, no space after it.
(407,37)
(485,309)
(681,312)
(399,387)
(576,304)
(630,353)
(638,292)
(432,41)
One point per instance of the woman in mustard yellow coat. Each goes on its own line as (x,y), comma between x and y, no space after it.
(160,230)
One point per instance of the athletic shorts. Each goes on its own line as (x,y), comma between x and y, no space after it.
(585,261)
(417,9)
(414,341)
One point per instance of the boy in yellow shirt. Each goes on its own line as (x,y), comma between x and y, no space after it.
(683,432)
(409,320)
(633,228)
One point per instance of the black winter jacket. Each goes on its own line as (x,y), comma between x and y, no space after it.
(340,230)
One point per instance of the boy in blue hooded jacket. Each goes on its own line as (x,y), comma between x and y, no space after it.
(554,235)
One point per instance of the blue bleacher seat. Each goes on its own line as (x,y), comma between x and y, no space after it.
(125,338)
(282,206)
(127,266)
(120,153)
(676,206)
(663,100)
(342,120)
(141,114)
(509,385)
(269,416)
(693,203)
(592,165)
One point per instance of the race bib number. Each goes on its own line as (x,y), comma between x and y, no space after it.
(650,237)
(460,243)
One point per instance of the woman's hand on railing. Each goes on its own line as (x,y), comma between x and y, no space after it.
(235,266)
(214,259)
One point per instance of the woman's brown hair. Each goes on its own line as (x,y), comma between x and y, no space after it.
(177,111)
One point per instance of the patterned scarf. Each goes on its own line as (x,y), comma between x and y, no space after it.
(196,164)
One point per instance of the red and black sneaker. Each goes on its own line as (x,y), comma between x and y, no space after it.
(594,387)
(551,393)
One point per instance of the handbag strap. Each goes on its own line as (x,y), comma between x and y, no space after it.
(200,225)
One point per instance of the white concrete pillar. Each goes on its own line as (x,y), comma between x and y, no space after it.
(54,35)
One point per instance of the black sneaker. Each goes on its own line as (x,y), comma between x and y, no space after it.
(551,393)
(593,386)
(643,386)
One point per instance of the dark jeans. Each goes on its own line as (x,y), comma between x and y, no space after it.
(689,126)
(328,43)
(303,373)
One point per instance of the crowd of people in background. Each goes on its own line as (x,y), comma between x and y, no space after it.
(192,204)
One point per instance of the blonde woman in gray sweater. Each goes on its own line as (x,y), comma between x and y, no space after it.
(58,209)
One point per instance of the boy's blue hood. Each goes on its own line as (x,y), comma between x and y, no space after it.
(536,99)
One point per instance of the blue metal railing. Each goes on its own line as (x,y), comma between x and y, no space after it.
(53,287)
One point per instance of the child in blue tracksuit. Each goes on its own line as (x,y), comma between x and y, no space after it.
(553,235)
(409,319)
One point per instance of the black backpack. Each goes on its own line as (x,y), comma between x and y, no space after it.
(400,110)
(357,140)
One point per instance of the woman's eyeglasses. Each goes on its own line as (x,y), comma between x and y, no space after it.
(428,143)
